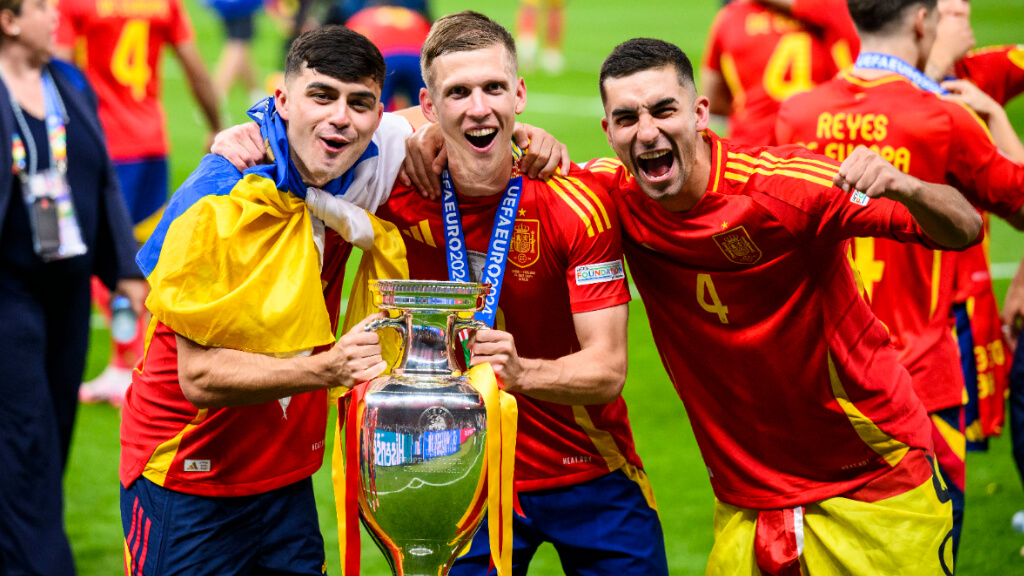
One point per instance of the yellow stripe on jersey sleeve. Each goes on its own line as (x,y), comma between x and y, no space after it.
(585,203)
(609,165)
(831,169)
(597,202)
(775,172)
(768,161)
(565,198)
(737,176)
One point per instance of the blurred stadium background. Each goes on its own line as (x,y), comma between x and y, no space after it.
(569,107)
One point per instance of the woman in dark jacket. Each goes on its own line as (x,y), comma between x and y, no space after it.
(49,248)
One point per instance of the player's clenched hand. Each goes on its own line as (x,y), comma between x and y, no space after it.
(242,145)
(356,356)
(498,348)
(544,153)
(425,158)
(868,172)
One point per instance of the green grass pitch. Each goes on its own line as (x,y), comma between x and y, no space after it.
(569,107)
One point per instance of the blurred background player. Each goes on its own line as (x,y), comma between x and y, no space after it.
(399,34)
(888,104)
(527,35)
(118,45)
(761,52)
(995,76)
(235,62)
(988,78)
(342,10)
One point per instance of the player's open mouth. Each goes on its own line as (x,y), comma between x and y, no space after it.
(333,144)
(481,138)
(656,165)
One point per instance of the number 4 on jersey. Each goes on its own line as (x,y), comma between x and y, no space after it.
(129,64)
(789,69)
(705,290)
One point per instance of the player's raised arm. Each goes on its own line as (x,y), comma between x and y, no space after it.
(941,212)
(954,38)
(594,375)
(994,115)
(717,91)
(200,83)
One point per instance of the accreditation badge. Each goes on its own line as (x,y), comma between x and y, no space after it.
(56,234)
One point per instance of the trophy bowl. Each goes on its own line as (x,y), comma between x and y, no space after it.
(422,437)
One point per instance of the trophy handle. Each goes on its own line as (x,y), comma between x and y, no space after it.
(471,324)
(457,326)
(396,323)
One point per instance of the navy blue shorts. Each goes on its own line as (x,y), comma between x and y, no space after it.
(169,532)
(143,185)
(602,527)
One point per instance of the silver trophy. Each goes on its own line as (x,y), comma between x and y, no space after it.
(422,441)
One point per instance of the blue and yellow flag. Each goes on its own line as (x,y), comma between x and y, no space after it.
(232,262)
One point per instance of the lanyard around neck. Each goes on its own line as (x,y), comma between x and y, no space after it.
(497,248)
(889,63)
(55,131)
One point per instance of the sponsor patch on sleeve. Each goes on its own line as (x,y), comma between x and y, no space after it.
(596,273)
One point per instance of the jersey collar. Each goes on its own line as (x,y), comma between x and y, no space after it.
(717,167)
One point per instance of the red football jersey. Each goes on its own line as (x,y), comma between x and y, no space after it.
(766,56)
(223,451)
(789,381)
(565,233)
(118,43)
(997,70)
(910,287)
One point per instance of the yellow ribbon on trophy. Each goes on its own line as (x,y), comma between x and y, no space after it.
(499,467)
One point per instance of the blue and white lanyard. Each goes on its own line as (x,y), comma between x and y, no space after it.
(876,61)
(497,248)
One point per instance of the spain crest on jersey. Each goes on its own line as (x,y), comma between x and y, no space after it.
(524,249)
(737,246)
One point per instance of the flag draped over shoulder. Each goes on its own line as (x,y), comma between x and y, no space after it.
(233,263)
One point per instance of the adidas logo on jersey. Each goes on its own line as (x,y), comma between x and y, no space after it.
(421,233)
(197,465)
